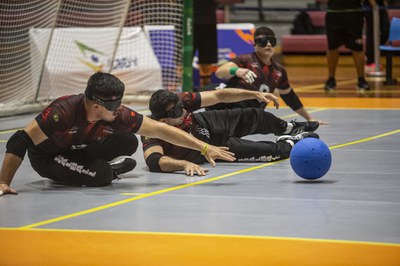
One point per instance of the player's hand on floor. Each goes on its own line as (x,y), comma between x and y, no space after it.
(6,189)
(192,169)
(222,153)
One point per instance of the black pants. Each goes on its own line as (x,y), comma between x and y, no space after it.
(205,42)
(227,127)
(344,28)
(88,166)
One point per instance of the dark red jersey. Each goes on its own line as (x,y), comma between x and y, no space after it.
(191,102)
(64,123)
(269,77)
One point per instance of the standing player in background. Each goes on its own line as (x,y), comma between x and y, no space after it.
(87,139)
(205,38)
(258,71)
(344,25)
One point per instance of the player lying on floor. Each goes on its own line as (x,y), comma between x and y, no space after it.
(218,127)
(87,139)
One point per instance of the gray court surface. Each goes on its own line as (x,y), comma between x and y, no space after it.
(358,199)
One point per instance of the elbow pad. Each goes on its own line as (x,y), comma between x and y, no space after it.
(19,143)
(292,100)
(153,162)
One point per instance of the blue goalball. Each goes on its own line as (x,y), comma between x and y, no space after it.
(310,158)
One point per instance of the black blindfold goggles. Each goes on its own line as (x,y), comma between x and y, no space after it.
(174,112)
(262,41)
(110,105)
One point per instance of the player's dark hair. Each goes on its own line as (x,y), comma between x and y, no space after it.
(264,31)
(160,101)
(105,86)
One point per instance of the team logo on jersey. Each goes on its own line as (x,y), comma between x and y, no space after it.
(78,146)
(108,130)
(73,130)
(46,113)
(255,65)
(203,131)
(264,88)
(276,75)
(56,118)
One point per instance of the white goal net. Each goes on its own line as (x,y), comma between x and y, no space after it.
(49,48)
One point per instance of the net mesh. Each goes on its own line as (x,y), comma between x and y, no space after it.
(50,48)
(162,22)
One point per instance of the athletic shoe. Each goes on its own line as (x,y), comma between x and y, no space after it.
(122,164)
(300,127)
(362,84)
(371,67)
(296,138)
(330,84)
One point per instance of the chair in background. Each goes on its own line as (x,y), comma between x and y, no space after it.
(393,48)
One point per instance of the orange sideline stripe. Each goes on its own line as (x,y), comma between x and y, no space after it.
(76,247)
(369,103)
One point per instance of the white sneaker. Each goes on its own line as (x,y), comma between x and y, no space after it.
(122,164)
(296,138)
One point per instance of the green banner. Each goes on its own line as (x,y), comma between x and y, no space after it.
(187,84)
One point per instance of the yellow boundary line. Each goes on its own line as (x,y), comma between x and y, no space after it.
(366,139)
(9,131)
(210,235)
(158,192)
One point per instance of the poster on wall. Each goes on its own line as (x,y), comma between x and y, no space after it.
(233,39)
(76,53)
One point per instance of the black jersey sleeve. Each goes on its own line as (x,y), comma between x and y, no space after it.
(148,142)
(241,60)
(128,120)
(55,117)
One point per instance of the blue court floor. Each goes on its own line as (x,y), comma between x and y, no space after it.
(357,201)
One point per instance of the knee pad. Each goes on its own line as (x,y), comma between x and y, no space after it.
(133,142)
(18,143)
(127,143)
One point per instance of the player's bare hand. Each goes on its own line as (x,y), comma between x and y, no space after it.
(268,97)
(213,153)
(192,169)
(6,189)
(246,74)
